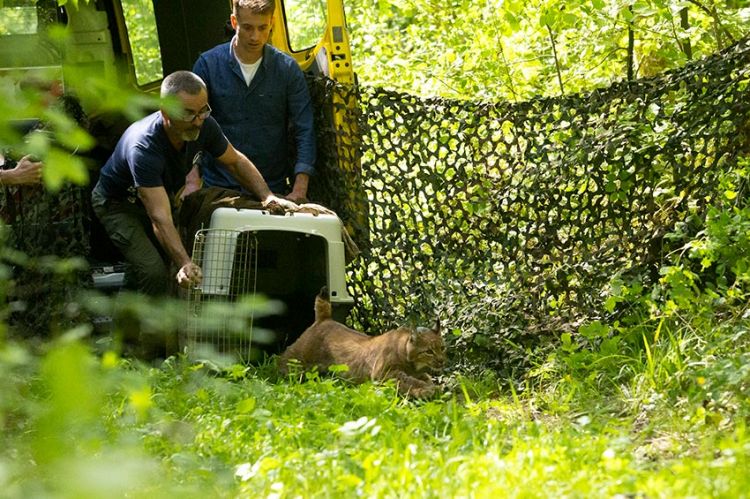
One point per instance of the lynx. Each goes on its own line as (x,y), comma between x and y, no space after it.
(403,354)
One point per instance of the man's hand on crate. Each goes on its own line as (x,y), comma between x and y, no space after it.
(189,275)
(279,206)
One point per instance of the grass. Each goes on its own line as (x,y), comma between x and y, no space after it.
(667,421)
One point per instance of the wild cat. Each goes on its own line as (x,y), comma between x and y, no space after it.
(404,354)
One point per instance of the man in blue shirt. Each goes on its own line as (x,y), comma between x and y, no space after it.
(257,94)
(138,184)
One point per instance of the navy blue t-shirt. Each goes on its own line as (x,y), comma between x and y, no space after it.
(144,157)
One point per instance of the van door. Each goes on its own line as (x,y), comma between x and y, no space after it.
(188,27)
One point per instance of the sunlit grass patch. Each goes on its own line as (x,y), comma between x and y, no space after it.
(182,430)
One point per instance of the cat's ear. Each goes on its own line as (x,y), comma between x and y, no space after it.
(437,326)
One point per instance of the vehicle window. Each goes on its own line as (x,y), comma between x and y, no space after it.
(305,22)
(144,40)
(18,18)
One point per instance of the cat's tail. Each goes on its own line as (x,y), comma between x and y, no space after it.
(322,305)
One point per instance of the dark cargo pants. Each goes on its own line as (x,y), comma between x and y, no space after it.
(130,229)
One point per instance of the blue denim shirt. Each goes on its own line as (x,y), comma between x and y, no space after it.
(258,118)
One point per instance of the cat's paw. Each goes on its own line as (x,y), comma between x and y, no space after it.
(425,391)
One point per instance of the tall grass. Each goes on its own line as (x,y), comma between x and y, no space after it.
(670,423)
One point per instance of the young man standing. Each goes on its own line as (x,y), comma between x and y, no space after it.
(257,94)
(137,186)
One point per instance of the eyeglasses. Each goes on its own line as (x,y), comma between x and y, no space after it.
(202,115)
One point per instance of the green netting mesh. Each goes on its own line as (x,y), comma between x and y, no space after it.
(509,219)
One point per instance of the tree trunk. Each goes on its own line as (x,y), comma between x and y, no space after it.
(631,47)
(557,61)
(686,46)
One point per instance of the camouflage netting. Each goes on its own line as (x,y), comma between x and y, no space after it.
(509,219)
(40,225)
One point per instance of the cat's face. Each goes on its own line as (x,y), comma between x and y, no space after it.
(427,350)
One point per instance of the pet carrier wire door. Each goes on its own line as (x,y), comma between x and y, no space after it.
(229,260)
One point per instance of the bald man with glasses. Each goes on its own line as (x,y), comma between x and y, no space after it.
(139,184)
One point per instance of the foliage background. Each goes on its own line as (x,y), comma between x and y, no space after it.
(514,49)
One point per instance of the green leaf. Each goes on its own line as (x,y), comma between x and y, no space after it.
(545,19)
(627,14)
(610,304)
(60,166)
(246,406)
(512,23)
(569,19)
(594,330)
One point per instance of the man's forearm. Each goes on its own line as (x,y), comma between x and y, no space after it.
(250,178)
(169,238)
(157,205)
(299,189)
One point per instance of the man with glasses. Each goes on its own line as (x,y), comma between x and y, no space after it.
(260,96)
(142,179)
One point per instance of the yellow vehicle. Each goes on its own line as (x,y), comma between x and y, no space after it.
(137,43)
